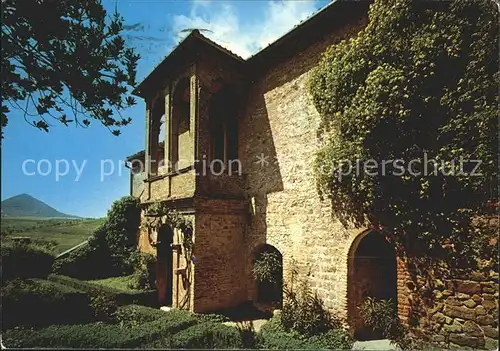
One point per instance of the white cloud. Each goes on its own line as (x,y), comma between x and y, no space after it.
(225,28)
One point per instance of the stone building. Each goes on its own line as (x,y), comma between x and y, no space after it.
(257,119)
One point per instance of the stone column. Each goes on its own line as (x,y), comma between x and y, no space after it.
(147,149)
(193,115)
(168,116)
(167,142)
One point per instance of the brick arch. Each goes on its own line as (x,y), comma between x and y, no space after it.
(371,271)
(258,249)
(352,241)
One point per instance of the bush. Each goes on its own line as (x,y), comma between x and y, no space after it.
(249,337)
(304,312)
(381,315)
(144,276)
(147,298)
(212,317)
(273,335)
(99,335)
(103,306)
(34,302)
(131,315)
(126,283)
(88,336)
(112,247)
(334,339)
(87,262)
(267,271)
(21,260)
(267,267)
(207,336)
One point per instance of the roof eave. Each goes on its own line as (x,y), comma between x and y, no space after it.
(141,89)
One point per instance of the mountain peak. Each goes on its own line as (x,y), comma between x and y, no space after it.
(25,205)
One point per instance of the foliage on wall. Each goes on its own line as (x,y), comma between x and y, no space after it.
(416,80)
(381,315)
(159,213)
(267,267)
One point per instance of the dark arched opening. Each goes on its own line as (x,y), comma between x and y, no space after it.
(164,265)
(267,270)
(181,120)
(372,273)
(223,126)
(157,135)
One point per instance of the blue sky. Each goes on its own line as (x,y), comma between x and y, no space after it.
(87,190)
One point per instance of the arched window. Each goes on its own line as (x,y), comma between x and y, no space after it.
(180,124)
(157,134)
(223,123)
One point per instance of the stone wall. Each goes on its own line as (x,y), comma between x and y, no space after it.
(452,307)
(461,312)
(277,147)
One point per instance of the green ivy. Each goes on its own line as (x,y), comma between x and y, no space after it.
(419,78)
(267,267)
(174,219)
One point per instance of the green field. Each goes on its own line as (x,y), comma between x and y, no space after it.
(66,232)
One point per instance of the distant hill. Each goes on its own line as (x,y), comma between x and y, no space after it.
(25,205)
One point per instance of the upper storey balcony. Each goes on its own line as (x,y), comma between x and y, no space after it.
(193,102)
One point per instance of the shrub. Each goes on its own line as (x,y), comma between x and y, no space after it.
(144,276)
(334,339)
(100,335)
(48,245)
(147,298)
(267,267)
(125,283)
(34,302)
(87,262)
(267,270)
(304,312)
(381,315)
(207,336)
(249,338)
(173,322)
(212,317)
(103,306)
(21,260)
(274,336)
(160,325)
(111,248)
(131,315)
(90,336)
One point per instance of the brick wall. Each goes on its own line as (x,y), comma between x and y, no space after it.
(219,251)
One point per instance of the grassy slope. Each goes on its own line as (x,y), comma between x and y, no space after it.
(67,232)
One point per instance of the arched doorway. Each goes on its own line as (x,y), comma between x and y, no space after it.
(268,262)
(372,273)
(164,265)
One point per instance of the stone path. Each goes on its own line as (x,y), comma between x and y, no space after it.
(383,344)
